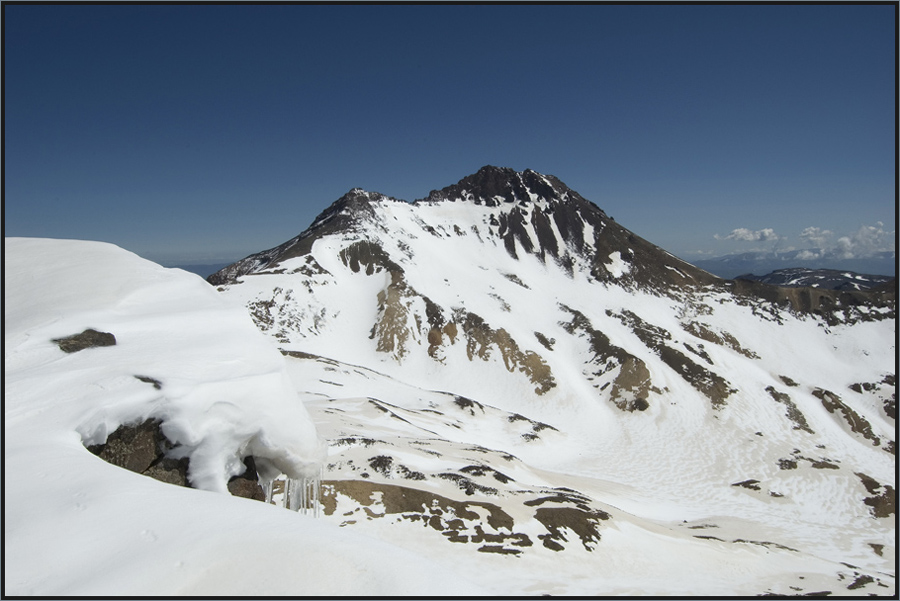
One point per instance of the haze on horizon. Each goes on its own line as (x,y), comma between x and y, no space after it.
(201,134)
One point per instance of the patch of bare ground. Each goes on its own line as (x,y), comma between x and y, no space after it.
(482,470)
(481,340)
(535,426)
(888,398)
(857,423)
(390,330)
(788,381)
(476,522)
(822,463)
(792,412)
(458,521)
(751,484)
(721,338)
(882,503)
(632,385)
(712,385)
(584,523)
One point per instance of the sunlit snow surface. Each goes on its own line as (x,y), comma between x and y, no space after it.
(667,476)
(76,525)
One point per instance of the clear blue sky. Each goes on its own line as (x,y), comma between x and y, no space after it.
(204,133)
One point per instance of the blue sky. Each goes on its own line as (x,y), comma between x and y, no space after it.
(193,134)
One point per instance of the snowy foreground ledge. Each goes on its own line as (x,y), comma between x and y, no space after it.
(76,525)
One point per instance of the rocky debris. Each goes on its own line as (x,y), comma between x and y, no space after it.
(247,484)
(536,426)
(143,448)
(822,463)
(466,403)
(90,338)
(467,484)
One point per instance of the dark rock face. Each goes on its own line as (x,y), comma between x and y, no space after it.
(367,256)
(493,185)
(883,502)
(539,215)
(833,306)
(89,338)
(143,448)
(247,484)
(173,471)
(341,216)
(632,385)
(541,203)
(572,215)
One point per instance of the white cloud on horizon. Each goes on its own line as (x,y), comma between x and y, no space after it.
(865,242)
(747,235)
(817,236)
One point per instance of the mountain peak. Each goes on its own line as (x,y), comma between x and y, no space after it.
(532,214)
(492,186)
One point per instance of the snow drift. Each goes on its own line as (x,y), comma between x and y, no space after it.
(75,525)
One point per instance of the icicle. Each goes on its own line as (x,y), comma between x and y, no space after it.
(302,494)
(267,487)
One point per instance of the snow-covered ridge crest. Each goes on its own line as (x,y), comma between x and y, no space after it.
(219,388)
(493,186)
(526,213)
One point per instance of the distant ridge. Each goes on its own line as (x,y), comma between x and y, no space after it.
(826,279)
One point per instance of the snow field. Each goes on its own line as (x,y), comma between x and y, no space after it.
(79,526)
(692,453)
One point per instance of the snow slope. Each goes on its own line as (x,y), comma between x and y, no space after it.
(507,394)
(471,352)
(75,525)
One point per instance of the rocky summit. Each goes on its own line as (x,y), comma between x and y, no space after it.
(502,372)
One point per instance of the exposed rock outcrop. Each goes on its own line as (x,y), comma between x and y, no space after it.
(90,338)
(143,448)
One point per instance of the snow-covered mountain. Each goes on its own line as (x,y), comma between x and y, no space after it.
(830,279)
(504,364)
(516,396)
